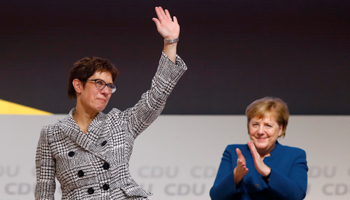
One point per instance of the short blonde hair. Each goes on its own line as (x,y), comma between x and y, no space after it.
(269,105)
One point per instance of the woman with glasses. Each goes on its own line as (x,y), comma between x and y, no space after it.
(89,151)
(263,169)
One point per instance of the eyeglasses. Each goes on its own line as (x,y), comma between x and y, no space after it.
(101,84)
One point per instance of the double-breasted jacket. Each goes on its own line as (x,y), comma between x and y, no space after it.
(96,165)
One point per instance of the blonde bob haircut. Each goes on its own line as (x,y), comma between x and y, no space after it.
(269,105)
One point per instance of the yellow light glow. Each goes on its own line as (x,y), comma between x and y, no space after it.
(10,108)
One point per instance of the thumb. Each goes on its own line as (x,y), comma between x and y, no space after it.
(156,21)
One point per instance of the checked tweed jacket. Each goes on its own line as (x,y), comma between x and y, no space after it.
(96,165)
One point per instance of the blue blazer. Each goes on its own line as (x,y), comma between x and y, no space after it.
(288,178)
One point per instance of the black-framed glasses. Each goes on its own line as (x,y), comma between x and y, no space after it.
(101,84)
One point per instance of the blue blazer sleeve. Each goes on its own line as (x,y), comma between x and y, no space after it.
(291,186)
(224,185)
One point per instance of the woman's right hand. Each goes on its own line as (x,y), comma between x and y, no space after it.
(168,27)
(241,169)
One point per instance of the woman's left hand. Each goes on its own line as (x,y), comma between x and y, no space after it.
(168,28)
(260,166)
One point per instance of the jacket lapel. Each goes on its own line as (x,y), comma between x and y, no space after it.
(89,141)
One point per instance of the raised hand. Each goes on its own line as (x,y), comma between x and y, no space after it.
(241,169)
(259,164)
(167,27)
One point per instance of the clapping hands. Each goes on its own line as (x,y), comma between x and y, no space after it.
(241,169)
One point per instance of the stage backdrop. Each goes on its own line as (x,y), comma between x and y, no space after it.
(177,157)
(236,50)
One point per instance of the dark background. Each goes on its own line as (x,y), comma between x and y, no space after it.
(236,51)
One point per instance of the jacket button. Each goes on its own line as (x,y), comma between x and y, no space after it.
(91,190)
(106,166)
(80,173)
(103,143)
(71,154)
(257,185)
(106,186)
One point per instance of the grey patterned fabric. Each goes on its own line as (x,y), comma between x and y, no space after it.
(96,165)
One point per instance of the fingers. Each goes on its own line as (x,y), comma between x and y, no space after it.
(241,165)
(252,148)
(156,21)
(240,155)
(167,13)
(254,152)
(238,152)
(241,169)
(250,144)
(167,28)
(163,14)
(259,164)
(160,13)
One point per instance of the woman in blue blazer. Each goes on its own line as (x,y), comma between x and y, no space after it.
(263,169)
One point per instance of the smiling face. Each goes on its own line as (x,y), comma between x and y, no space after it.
(89,97)
(264,133)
